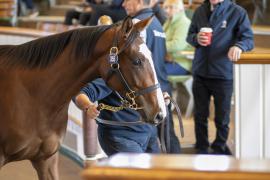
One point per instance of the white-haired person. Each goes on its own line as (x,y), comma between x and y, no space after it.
(105,20)
(176,29)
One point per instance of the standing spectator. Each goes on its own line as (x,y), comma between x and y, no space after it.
(176,29)
(155,40)
(213,66)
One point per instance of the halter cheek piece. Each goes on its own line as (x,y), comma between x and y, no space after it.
(129,100)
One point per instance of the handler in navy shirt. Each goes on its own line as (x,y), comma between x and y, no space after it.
(137,138)
(213,66)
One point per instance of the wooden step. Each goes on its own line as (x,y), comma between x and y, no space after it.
(34,22)
(58,10)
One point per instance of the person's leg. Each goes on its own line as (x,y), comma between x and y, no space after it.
(222,92)
(115,14)
(70,15)
(112,143)
(84,18)
(97,11)
(171,140)
(201,113)
(174,68)
(152,144)
(29,4)
(173,147)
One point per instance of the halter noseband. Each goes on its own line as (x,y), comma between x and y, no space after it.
(130,96)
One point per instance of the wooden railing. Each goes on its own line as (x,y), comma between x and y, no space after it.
(252,104)
(23,32)
(258,56)
(8,11)
(177,167)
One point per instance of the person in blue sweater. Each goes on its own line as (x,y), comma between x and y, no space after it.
(135,138)
(212,66)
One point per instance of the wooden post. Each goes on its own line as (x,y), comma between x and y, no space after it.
(90,139)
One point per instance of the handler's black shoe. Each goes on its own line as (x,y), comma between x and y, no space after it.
(221,151)
(202,151)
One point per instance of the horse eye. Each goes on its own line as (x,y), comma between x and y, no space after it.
(137,62)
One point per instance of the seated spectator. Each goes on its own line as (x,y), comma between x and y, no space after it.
(30,10)
(114,10)
(176,28)
(82,12)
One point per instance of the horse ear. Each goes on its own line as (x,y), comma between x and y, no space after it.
(127,25)
(141,25)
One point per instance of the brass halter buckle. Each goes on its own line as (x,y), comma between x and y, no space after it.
(114,50)
(113,58)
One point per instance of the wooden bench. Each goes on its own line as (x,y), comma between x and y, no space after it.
(8,12)
(177,167)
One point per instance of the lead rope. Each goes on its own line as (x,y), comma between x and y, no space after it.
(163,135)
(166,135)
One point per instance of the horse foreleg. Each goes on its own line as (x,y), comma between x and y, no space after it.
(47,169)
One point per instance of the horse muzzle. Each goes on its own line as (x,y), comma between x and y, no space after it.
(159,117)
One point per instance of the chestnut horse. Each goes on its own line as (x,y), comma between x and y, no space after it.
(39,78)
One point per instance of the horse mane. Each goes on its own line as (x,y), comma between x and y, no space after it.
(44,51)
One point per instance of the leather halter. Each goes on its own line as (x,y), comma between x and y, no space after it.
(129,100)
(131,95)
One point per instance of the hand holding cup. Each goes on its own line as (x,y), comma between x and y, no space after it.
(204,37)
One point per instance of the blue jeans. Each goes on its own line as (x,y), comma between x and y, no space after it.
(221,90)
(114,141)
(29,4)
(173,68)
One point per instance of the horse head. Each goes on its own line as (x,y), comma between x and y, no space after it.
(130,71)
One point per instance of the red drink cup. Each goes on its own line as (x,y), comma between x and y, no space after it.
(207,32)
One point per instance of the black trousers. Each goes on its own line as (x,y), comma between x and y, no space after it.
(116,14)
(221,90)
(83,17)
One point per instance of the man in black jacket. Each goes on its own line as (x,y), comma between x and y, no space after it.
(212,66)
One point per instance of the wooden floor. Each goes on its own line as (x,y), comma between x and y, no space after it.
(23,170)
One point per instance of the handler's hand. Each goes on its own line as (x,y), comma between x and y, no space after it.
(84,103)
(166,97)
(202,39)
(234,53)
(92,111)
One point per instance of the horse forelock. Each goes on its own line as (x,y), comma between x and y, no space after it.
(42,52)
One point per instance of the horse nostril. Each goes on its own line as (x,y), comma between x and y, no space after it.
(159,116)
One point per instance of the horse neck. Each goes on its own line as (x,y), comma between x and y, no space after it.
(66,77)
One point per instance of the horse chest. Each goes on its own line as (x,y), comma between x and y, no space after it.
(32,148)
